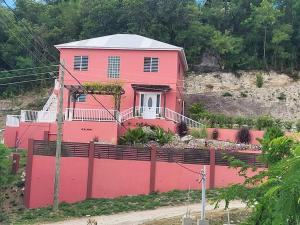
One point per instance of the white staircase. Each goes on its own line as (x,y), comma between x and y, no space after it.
(51,104)
(169,115)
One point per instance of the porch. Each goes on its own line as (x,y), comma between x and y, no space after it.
(99,115)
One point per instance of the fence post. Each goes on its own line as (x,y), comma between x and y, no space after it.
(46,135)
(212,167)
(16,163)
(153,169)
(90,177)
(28,175)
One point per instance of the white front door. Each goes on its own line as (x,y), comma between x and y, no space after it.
(149,106)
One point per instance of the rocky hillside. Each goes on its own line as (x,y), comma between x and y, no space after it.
(228,94)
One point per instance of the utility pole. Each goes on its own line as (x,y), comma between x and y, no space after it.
(59,138)
(202,221)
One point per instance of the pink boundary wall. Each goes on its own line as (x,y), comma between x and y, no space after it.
(84,132)
(85,178)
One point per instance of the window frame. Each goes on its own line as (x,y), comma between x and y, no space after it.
(77,98)
(113,67)
(83,65)
(152,68)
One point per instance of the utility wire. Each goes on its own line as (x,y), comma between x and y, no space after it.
(27,81)
(28,75)
(85,87)
(31,68)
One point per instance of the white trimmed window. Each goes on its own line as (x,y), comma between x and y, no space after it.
(113,66)
(150,64)
(81,63)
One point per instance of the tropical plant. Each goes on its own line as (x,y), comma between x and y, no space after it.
(162,137)
(181,129)
(264,122)
(259,80)
(215,134)
(133,137)
(243,135)
(273,193)
(298,126)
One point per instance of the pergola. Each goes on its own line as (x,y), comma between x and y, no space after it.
(75,90)
(150,88)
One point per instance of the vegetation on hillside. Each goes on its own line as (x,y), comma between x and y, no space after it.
(242,34)
(274,193)
(198,113)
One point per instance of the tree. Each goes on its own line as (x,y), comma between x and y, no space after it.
(263,17)
(274,193)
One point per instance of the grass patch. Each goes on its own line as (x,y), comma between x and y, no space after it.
(98,207)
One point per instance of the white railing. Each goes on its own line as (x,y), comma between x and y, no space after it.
(159,112)
(91,115)
(177,117)
(51,104)
(38,116)
(56,84)
(126,115)
(13,120)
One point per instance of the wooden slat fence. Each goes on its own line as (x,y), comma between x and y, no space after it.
(120,152)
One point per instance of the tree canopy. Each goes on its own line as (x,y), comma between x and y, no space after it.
(242,34)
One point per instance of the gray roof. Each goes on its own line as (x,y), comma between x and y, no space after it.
(123,41)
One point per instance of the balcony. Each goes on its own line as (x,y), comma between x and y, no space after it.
(100,115)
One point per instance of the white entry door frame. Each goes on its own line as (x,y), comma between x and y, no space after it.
(150,104)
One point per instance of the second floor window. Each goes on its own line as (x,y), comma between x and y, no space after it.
(81,63)
(150,64)
(113,66)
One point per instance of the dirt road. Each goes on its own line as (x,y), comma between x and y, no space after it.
(137,218)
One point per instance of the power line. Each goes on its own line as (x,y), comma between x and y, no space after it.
(28,75)
(80,82)
(27,81)
(30,68)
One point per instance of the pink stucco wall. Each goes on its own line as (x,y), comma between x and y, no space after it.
(230,134)
(170,176)
(73,180)
(85,131)
(10,136)
(113,178)
(131,71)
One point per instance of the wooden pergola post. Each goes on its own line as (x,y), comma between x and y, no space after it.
(165,104)
(134,102)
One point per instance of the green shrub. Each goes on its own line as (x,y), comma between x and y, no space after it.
(133,137)
(142,135)
(195,132)
(227,94)
(162,137)
(181,129)
(203,132)
(259,80)
(243,135)
(278,149)
(264,122)
(272,133)
(282,97)
(199,133)
(243,95)
(5,175)
(298,126)
(288,125)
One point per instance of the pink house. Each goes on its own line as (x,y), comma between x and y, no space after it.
(152,77)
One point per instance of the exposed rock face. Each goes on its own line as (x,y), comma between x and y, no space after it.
(279,96)
(209,63)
